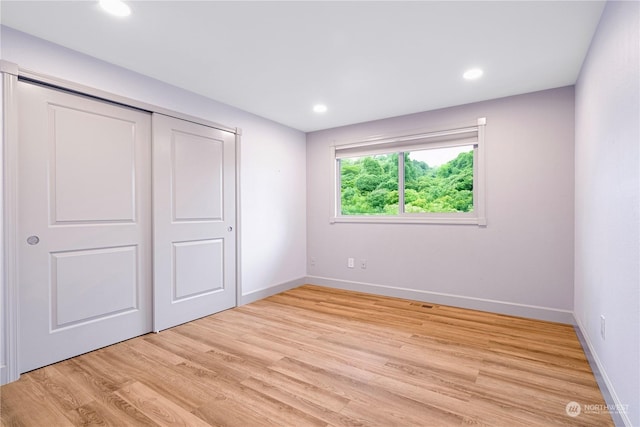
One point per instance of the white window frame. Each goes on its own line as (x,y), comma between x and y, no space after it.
(469,135)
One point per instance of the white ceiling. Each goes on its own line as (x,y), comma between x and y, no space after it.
(364,60)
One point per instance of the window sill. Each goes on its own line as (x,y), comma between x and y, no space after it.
(408,219)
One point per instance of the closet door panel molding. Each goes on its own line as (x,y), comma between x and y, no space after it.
(84,229)
(194,184)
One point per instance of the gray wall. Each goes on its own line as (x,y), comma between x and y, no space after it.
(521,263)
(607,201)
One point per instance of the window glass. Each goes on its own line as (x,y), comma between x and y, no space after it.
(439,180)
(369,185)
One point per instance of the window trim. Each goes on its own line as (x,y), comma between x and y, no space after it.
(468,135)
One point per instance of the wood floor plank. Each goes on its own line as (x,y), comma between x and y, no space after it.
(392,416)
(216,361)
(24,403)
(111,410)
(303,391)
(66,394)
(230,412)
(315,356)
(319,411)
(90,382)
(367,393)
(160,409)
(184,391)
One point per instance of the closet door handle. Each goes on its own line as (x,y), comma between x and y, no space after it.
(229,228)
(33,240)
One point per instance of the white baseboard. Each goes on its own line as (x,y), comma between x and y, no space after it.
(259,294)
(500,307)
(3,375)
(620,418)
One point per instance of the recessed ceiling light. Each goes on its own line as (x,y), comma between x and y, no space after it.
(472,74)
(320,108)
(115,7)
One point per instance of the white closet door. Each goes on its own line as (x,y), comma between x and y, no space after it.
(84,255)
(194,190)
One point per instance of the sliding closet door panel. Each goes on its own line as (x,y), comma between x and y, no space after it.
(194,221)
(84,224)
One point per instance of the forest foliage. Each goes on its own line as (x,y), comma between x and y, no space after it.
(369,185)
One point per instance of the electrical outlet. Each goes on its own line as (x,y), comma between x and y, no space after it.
(363,264)
(351,263)
(312,261)
(602,326)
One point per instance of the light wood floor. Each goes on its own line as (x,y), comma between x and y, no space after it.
(314,356)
